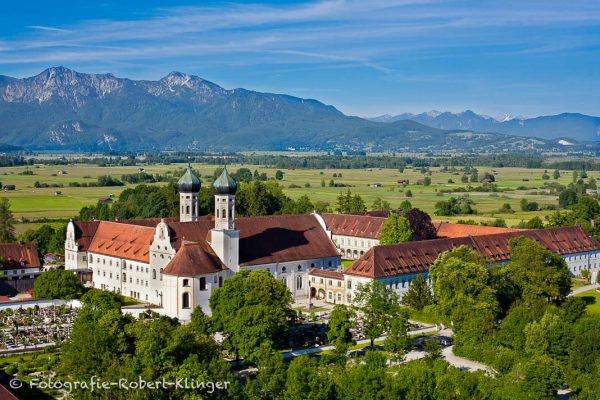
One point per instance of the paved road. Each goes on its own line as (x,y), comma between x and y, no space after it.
(464,363)
(314,350)
(583,289)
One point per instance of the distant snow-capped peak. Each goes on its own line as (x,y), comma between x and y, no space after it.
(433,113)
(508,117)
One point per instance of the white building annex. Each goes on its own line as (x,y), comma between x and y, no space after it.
(397,265)
(177,264)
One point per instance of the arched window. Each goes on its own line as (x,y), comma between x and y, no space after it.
(161,274)
(217,213)
(185,300)
(298,282)
(153,274)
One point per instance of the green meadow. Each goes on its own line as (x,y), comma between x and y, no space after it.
(592,298)
(32,203)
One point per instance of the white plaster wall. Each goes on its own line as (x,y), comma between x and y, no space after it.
(353,244)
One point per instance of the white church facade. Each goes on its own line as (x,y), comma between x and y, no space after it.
(177,264)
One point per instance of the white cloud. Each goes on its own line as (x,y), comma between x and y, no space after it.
(369,34)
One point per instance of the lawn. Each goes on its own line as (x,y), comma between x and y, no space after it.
(592,298)
(425,315)
(30,202)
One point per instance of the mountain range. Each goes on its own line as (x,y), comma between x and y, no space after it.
(566,126)
(64,109)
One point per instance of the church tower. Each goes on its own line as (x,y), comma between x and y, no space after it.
(189,188)
(224,237)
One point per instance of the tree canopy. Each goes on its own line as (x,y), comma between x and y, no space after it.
(7,222)
(418,294)
(377,304)
(250,309)
(396,229)
(57,283)
(539,274)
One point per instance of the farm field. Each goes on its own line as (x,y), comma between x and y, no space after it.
(31,203)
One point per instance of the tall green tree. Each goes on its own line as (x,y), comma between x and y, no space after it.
(250,309)
(396,229)
(541,376)
(380,205)
(340,322)
(270,379)
(540,275)
(57,283)
(397,342)
(377,304)
(460,284)
(406,206)
(7,222)
(350,204)
(418,294)
(549,336)
(556,174)
(305,380)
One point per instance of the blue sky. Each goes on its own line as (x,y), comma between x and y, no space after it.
(366,57)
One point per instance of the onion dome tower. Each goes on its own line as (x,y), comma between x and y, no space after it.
(225,188)
(189,188)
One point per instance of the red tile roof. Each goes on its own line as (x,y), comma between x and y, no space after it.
(84,233)
(19,255)
(449,230)
(364,226)
(414,257)
(115,239)
(267,239)
(263,240)
(149,222)
(194,259)
(326,273)
(280,238)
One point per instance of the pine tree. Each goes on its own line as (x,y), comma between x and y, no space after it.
(7,227)
(418,295)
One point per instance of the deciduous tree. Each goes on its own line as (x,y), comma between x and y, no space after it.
(376,304)
(396,229)
(340,322)
(250,309)
(57,283)
(540,275)
(418,294)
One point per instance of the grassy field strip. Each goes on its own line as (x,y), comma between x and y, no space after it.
(30,202)
(592,298)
